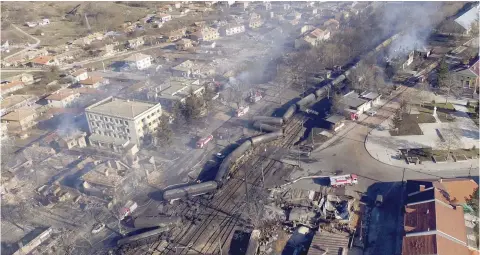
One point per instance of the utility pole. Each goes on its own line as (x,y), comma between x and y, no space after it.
(263,174)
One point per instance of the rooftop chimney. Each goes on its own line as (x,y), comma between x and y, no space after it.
(441,180)
(422,187)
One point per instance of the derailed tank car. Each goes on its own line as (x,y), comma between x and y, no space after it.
(289,113)
(148,221)
(142,236)
(190,191)
(265,127)
(266,138)
(268,120)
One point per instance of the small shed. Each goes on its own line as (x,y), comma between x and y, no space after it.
(372,97)
(336,122)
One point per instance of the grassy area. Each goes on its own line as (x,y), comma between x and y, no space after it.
(409,125)
(423,118)
(443,116)
(442,106)
(428,154)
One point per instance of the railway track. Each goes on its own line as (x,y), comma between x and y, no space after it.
(222,211)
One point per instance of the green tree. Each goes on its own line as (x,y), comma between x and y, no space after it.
(442,73)
(472,201)
(396,120)
(193,107)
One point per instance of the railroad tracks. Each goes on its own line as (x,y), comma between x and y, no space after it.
(222,213)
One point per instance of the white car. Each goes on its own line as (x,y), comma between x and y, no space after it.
(97,228)
(371,113)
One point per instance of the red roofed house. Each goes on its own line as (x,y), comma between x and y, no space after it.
(434,219)
(79,75)
(62,98)
(42,61)
(10,87)
(312,38)
(21,119)
(94,82)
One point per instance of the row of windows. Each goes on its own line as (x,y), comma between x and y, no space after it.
(108,119)
(112,135)
(110,127)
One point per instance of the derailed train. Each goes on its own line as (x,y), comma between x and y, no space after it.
(273,125)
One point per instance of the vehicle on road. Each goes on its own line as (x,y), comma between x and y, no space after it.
(204,141)
(255,96)
(242,111)
(97,228)
(342,180)
(220,155)
(379,200)
(371,113)
(128,209)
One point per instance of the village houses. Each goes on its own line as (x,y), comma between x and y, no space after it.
(11,87)
(312,38)
(21,119)
(184,44)
(43,61)
(62,98)
(135,43)
(94,82)
(232,29)
(205,34)
(79,75)
(139,61)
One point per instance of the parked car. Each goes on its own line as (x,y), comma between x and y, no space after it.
(371,113)
(220,155)
(97,228)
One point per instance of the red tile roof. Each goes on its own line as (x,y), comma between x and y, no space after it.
(61,95)
(91,80)
(42,60)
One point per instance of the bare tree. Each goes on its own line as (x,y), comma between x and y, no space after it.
(451,87)
(337,104)
(396,120)
(362,77)
(164,133)
(450,138)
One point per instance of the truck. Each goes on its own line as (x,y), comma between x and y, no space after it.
(202,142)
(255,96)
(242,111)
(128,209)
(342,180)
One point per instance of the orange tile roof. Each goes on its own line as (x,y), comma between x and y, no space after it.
(445,246)
(11,85)
(450,221)
(458,189)
(42,60)
(91,80)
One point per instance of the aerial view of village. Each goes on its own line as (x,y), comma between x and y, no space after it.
(239,127)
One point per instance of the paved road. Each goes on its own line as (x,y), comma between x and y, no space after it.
(30,46)
(347,154)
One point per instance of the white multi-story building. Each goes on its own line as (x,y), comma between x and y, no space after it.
(232,29)
(115,123)
(139,61)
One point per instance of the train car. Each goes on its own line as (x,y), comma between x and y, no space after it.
(190,191)
(265,127)
(322,92)
(266,138)
(144,235)
(289,113)
(224,169)
(149,221)
(268,120)
(306,100)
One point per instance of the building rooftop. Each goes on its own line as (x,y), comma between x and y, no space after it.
(12,100)
(11,85)
(352,100)
(19,114)
(79,72)
(42,60)
(60,95)
(91,80)
(370,95)
(179,88)
(97,176)
(466,19)
(335,119)
(137,57)
(120,107)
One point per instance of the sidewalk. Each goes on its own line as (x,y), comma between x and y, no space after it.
(384,148)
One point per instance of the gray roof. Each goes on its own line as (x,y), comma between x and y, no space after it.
(370,95)
(335,119)
(467,72)
(466,19)
(120,107)
(353,101)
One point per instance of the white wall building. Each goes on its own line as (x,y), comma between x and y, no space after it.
(116,123)
(139,61)
(63,98)
(232,29)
